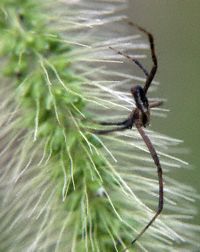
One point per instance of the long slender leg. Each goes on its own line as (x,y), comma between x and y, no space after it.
(155,104)
(132,60)
(124,122)
(153,56)
(113,123)
(104,132)
(160,178)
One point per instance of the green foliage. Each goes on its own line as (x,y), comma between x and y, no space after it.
(49,94)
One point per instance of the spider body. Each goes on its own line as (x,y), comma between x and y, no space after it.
(140,118)
(142,104)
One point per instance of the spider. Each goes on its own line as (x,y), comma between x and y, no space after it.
(140,117)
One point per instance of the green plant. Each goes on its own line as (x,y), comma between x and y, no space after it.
(64,188)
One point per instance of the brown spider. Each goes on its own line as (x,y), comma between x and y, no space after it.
(140,117)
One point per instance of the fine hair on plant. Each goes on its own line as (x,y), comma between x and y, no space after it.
(68,183)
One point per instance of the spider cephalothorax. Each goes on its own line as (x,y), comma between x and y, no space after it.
(142,105)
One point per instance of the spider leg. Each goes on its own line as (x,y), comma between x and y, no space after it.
(126,124)
(132,60)
(160,178)
(153,56)
(155,104)
(104,132)
(113,123)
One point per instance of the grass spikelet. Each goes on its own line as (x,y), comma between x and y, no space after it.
(62,187)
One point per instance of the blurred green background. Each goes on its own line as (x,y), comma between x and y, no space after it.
(175,25)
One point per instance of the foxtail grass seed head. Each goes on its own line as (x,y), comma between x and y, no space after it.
(64,188)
